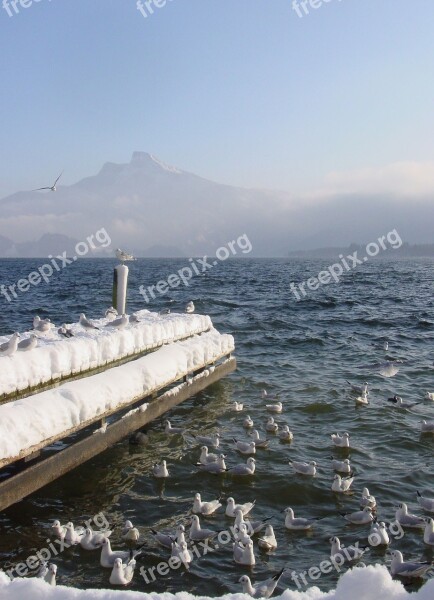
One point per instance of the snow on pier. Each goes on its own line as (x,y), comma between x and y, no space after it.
(43,417)
(56,358)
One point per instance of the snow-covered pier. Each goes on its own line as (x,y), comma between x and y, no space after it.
(107,381)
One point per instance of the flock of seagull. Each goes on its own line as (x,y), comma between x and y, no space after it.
(244,530)
(45,326)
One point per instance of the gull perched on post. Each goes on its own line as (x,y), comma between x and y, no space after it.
(124,256)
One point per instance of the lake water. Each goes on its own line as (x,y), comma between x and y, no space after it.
(304,351)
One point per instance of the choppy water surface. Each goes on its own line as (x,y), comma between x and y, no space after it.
(302,350)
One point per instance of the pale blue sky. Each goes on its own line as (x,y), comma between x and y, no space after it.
(240,91)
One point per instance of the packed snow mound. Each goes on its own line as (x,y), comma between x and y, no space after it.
(56,357)
(34,419)
(364,583)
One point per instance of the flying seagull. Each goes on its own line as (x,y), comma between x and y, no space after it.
(51,188)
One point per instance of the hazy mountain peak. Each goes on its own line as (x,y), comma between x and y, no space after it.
(140,159)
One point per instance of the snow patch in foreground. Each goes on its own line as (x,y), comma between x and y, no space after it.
(363,583)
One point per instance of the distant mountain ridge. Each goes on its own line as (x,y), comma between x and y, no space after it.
(406,250)
(150,207)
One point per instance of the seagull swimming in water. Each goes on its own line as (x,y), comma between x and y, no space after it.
(341,441)
(407,519)
(232,507)
(205,508)
(407,569)
(122,574)
(297,523)
(52,188)
(400,403)
(304,468)
(262,589)
(160,471)
(426,503)
(341,485)
(259,442)
(359,389)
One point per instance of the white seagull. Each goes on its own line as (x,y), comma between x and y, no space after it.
(122,574)
(348,553)
(297,523)
(48,574)
(341,466)
(119,323)
(248,423)
(360,517)
(379,535)
(85,323)
(268,541)
(190,307)
(341,441)
(205,508)
(341,485)
(407,519)
(212,441)
(244,469)
(206,457)
(244,554)
(52,188)
(197,534)
(262,589)
(169,430)
(28,344)
(123,256)
(10,347)
(428,535)
(359,389)
(398,402)
(271,426)
(426,503)
(304,468)
(274,408)
(41,325)
(92,540)
(130,533)
(407,569)
(238,406)
(259,442)
(367,499)
(232,508)
(285,435)
(429,396)
(181,552)
(245,447)
(160,471)
(215,468)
